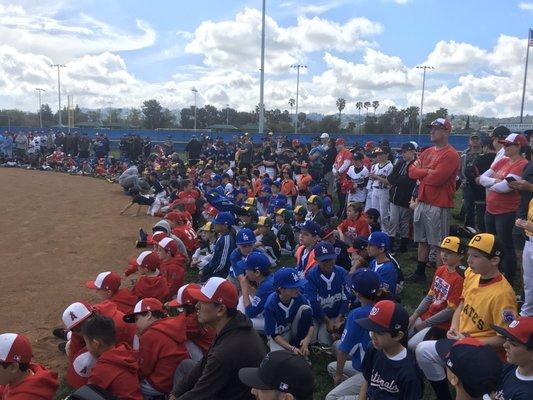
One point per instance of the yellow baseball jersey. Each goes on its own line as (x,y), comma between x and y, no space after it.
(530,216)
(486,304)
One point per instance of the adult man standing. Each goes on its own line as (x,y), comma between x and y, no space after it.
(329,159)
(467,175)
(237,345)
(193,149)
(436,169)
(246,154)
(343,161)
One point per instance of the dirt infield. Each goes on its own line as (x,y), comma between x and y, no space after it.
(57,232)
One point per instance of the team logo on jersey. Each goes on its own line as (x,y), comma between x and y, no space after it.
(508,316)
(374,311)
(514,324)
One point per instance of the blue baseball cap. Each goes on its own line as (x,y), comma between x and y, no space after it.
(245,236)
(317,189)
(266,189)
(217,177)
(379,239)
(276,183)
(364,281)
(224,218)
(325,251)
(312,227)
(257,261)
(242,190)
(266,181)
(288,278)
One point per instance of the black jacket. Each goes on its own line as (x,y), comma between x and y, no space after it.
(217,376)
(402,186)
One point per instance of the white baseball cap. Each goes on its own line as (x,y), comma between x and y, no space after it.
(75,314)
(324,136)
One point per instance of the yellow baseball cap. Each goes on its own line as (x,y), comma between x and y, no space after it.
(453,244)
(264,221)
(208,227)
(251,201)
(314,199)
(486,243)
(281,212)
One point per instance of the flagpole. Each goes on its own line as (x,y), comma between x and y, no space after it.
(529,40)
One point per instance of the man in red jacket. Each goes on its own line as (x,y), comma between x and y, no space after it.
(436,170)
(172,265)
(117,368)
(20,379)
(107,287)
(161,346)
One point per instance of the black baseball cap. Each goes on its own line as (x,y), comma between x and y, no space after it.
(283,371)
(477,366)
(359,243)
(501,132)
(407,146)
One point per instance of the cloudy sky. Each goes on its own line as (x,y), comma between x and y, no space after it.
(120,52)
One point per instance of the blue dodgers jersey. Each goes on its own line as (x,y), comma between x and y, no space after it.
(355,340)
(392,379)
(278,316)
(388,274)
(327,295)
(257,304)
(236,259)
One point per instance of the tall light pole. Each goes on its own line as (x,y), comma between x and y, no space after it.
(59,66)
(424,67)
(529,44)
(227,114)
(39,90)
(297,67)
(195,91)
(262,86)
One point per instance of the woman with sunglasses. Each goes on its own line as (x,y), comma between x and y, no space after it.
(502,200)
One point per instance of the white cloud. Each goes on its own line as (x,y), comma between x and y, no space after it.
(526,6)
(456,57)
(64,39)
(232,44)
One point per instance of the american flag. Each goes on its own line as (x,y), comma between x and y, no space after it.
(530,43)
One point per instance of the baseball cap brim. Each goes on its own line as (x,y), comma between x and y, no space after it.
(326,257)
(196,294)
(294,285)
(91,285)
(250,377)
(130,318)
(505,333)
(369,325)
(443,347)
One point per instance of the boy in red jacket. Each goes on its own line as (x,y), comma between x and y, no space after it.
(150,283)
(181,227)
(172,265)
(199,338)
(161,346)
(20,379)
(107,286)
(116,369)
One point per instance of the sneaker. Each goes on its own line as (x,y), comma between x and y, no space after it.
(60,333)
(416,278)
(62,347)
(142,235)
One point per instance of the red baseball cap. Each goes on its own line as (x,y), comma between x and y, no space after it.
(148,260)
(216,290)
(145,305)
(106,281)
(76,313)
(441,123)
(339,141)
(520,331)
(15,348)
(157,236)
(184,296)
(515,138)
(168,244)
(386,316)
(369,145)
(172,216)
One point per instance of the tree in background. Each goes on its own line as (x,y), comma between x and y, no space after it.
(134,118)
(341,104)
(375,105)
(367,105)
(155,116)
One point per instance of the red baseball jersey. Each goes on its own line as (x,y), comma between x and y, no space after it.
(40,384)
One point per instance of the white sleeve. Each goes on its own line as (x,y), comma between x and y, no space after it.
(486,179)
(345,165)
(501,187)
(351,173)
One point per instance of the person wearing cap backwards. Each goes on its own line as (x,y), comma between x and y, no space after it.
(256,285)
(305,254)
(282,375)
(365,285)
(473,369)
(517,377)
(107,287)
(237,345)
(326,292)
(161,346)
(487,299)
(343,161)
(172,265)
(150,283)
(401,190)
(225,244)
(20,379)
(284,231)
(288,315)
(436,169)
(117,368)
(390,371)
(433,315)
(316,214)
(502,200)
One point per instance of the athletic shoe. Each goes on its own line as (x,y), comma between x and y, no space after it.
(60,333)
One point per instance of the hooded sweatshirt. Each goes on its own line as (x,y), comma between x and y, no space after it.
(173,270)
(237,346)
(161,350)
(124,300)
(202,337)
(40,384)
(151,286)
(188,236)
(117,371)
(166,226)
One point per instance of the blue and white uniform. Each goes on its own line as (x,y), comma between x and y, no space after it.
(327,294)
(388,274)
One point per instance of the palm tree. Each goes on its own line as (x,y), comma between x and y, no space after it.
(359,105)
(341,104)
(375,105)
(292,103)
(367,105)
